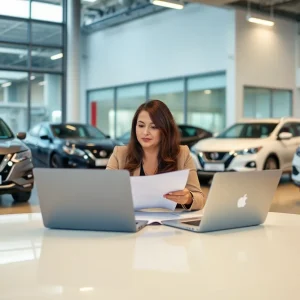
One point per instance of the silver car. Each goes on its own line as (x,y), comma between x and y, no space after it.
(16,177)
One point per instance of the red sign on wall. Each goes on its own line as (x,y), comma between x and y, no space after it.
(94,113)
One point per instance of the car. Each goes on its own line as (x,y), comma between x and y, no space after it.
(296,168)
(249,145)
(16,176)
(69,145)
(190,135)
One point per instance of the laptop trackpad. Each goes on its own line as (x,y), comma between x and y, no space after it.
(195,222)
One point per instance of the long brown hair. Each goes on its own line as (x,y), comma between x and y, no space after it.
(169,138)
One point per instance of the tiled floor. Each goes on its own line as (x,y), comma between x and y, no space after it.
(286,200)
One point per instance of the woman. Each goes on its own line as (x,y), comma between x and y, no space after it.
(154,148)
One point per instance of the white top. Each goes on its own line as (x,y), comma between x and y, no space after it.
(158,262)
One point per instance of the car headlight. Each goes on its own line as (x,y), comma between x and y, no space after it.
(73,151)
(248,151)
(20,156)
(298,151)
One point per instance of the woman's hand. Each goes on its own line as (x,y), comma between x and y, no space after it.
(180,197)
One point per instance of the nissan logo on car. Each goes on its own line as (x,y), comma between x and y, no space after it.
(214,155)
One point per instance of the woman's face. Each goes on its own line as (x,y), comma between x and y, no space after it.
(146,132)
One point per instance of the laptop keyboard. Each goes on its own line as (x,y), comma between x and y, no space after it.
(194,222)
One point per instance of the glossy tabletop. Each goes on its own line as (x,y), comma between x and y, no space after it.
(159,262)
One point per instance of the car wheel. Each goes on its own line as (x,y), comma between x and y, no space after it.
(21,197)
(56,161)
(271,164)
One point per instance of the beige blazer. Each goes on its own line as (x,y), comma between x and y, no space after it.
(185,161)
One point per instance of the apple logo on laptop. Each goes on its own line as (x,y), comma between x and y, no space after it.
(242,201)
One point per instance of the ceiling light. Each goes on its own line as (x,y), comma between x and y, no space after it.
(57,56)
(168,3)
(207,92)
(260,21)
(42,83)
(86,289)
(32,77)
(6,84)
(91,1)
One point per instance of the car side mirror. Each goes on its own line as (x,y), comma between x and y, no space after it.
(285,136)
(44,137)
(21,135)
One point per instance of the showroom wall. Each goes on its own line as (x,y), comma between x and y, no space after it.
(265,57)
(164,45)
(195,41)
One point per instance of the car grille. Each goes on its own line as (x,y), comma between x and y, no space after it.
(295,171)
(226,162)
(5,171)
(215,156)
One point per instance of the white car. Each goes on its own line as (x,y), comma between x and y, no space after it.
(296,168)
(257,144)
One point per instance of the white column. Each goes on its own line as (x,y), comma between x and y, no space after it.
(231,78)
(296,98)
(73,60)
(52,96)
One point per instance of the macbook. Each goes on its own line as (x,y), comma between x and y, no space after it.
(86,199)
(236,199)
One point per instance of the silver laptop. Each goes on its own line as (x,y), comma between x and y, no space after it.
(86,199)
(236,199)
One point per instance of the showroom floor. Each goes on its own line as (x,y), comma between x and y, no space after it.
(286,200)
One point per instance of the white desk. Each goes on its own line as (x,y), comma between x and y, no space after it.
(156,263)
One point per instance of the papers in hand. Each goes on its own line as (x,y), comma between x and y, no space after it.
(148,191)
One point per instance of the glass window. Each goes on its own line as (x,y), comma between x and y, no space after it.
(13,56)
(13,30)
(15,8)
(248,130)
(172,94)
(282,103)
(187,131)
(102,112)
(297,128)
(5,132)
(46,58)
(257,103)
(47,11)
(206,102)
(76,131)
(46,34)
(46,94)
(128,100)
(266,103)
(13,99)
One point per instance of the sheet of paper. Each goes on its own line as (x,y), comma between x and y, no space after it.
(160,215)
(148,191)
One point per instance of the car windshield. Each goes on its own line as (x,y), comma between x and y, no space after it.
(65,131)
(5,132)
(248,131)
